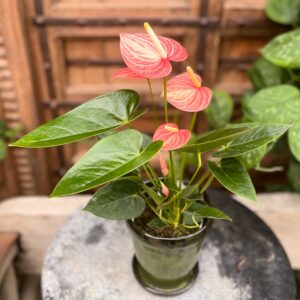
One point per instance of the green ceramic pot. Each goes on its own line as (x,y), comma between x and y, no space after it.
(166,266)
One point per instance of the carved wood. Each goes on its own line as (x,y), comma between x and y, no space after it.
(18,102)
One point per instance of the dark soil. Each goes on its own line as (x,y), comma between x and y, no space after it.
(141,225)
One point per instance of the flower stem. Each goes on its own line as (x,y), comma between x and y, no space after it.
(193,121)
(184,156)
(166,120)
(166,100)
(152,180)
(207,184)
(197,170)
(153,174)
(172,167)
(154,108)
(200,181)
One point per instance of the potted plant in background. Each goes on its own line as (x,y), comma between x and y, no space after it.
(168,215)
(276,81)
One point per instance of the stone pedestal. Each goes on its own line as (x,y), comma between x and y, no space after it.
(90,259)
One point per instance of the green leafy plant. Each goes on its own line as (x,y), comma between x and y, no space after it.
(276,82)
(120,158)
(6,136)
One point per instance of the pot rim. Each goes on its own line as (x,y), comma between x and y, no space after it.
(207,223)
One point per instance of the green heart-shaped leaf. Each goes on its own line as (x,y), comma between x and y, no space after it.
(265,74)
(96,116)
(252,139)
(251,159)
(234,177)
(110,158)
(219,111)
(284,12)
(118,200)
(283,50)
(199,211)
(294,139)
(294,174)
(279,104)
(214,139)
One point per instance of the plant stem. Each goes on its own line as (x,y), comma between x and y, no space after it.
(166,120)
(197,170)
(193,121)
(184,156)
(172,199)
(152,171)
(172,171)
(207,184)
(166,100)
(200,181)
(152,180)
(154,108)
(155,177)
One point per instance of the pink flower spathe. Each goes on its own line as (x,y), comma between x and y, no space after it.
(144,59)
(187,94)
(172,137)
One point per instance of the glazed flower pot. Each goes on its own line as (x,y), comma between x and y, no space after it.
(166,266)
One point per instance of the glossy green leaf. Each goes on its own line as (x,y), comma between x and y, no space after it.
(118,200)
(94,117)
(294,139)
(2,149)
(152,194)
(294,174)
(265,74)
(279,104)
(252,159)
(213,140)
(203,211)
(219,111)
(234,177)
(252,139)
(284,50)
(110,158)
(286,12)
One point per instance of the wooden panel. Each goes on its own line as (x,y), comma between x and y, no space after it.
(18,104)
(244,30)
(120,8)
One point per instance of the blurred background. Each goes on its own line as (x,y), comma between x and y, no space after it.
(56,54)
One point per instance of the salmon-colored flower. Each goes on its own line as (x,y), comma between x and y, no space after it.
(172,137)
(148,55)
(163,165)
(185,92)
(165,190)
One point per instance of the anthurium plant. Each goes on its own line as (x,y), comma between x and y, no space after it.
(121,156)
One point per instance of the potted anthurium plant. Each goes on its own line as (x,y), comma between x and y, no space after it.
(168,215)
